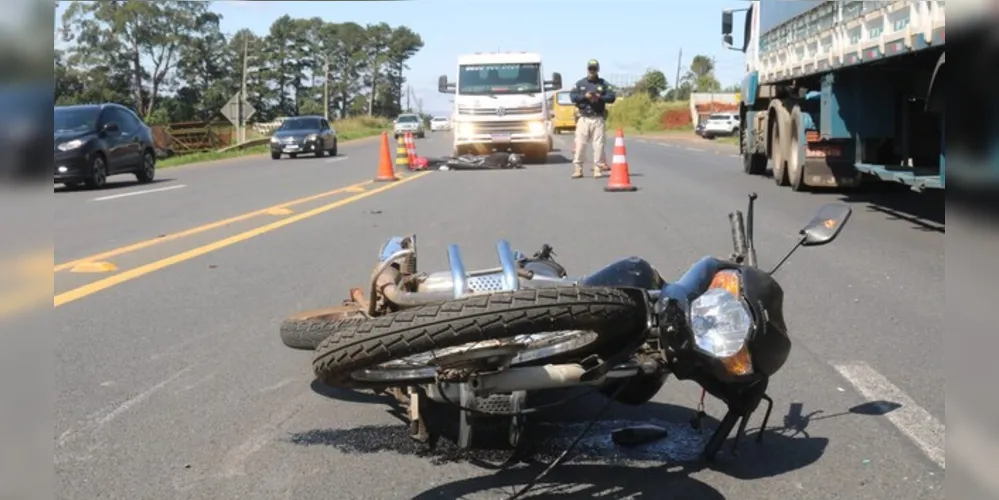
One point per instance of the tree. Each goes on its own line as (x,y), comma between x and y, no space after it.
(700,76)
(144,37)
(171,62)
(653,82)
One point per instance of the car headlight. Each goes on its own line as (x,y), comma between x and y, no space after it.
(275,140)
(536,128)
(311,137)
(466,129)
(71,145)
(721,323)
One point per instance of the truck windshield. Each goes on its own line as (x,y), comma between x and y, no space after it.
(563,98)
(488,79)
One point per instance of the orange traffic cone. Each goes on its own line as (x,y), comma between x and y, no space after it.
(620,178)
(410,149)
(385,171)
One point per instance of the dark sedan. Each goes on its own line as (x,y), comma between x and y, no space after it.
(304,134)
(95,141)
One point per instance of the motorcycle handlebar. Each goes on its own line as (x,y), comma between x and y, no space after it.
(739,242)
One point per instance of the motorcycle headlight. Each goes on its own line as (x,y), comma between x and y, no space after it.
(721,323)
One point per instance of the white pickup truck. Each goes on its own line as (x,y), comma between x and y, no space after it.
(500,105)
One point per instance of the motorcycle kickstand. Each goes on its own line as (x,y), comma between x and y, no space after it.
(417,425)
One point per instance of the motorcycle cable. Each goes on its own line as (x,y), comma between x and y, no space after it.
(558,460)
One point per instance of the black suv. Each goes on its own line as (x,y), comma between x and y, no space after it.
(94,141)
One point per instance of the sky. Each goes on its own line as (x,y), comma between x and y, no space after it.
(626,36)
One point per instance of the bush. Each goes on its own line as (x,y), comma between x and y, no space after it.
(640,113)
(360,126)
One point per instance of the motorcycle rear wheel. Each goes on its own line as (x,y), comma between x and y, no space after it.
(611,315)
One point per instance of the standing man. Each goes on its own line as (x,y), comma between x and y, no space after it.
(591,96)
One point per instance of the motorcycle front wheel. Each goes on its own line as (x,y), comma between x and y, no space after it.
(547,325)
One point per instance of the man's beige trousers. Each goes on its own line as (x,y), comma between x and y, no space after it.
(590,129)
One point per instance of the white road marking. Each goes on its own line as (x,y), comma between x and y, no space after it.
(136,193)
(96,424)
(915,422)
(336,159)
(693,149)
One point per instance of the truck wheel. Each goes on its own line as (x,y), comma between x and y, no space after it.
(780,142)
(796,152)
(752,163)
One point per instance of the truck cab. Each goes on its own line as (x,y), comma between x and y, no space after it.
(500,104)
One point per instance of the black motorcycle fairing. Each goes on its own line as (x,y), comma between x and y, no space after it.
(769,343)
(633,272)
(694,282)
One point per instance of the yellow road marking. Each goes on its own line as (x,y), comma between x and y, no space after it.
(110,281)
(94,267)
(285,211)
(200,229)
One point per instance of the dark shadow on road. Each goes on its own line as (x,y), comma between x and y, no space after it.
(112,184)
(574,481)
(597,467)
(923,211)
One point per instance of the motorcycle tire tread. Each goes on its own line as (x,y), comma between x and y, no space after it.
(606,311)
(307,333)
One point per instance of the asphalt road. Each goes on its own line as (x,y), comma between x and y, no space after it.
(172,382)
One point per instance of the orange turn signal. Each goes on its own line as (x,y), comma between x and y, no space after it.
(739,363)
(727,280)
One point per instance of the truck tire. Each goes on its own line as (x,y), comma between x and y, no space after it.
(752,163)
(796,151)
(780,141)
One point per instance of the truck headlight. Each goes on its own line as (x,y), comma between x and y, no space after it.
(466,129)
(536,128)
(721,323)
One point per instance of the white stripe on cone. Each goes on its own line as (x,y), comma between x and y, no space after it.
(619,160)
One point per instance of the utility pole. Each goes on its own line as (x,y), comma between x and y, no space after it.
(409,92)
(326,89)
(676,83)
(242,97)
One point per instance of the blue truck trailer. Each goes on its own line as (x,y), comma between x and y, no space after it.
(839,93)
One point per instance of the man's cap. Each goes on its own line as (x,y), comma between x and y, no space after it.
(593,63)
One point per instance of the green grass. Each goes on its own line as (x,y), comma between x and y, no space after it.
(346,130)
(639,114)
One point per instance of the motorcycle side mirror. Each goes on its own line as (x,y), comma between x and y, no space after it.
(823,228)
(825,225)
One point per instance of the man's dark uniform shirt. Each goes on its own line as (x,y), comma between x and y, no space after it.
(592,109)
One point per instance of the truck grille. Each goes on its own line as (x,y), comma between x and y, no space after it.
(495,111)
(517,127)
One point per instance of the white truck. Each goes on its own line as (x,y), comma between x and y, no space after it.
(500,104)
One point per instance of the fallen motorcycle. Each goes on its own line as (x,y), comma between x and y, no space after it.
(483,340)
